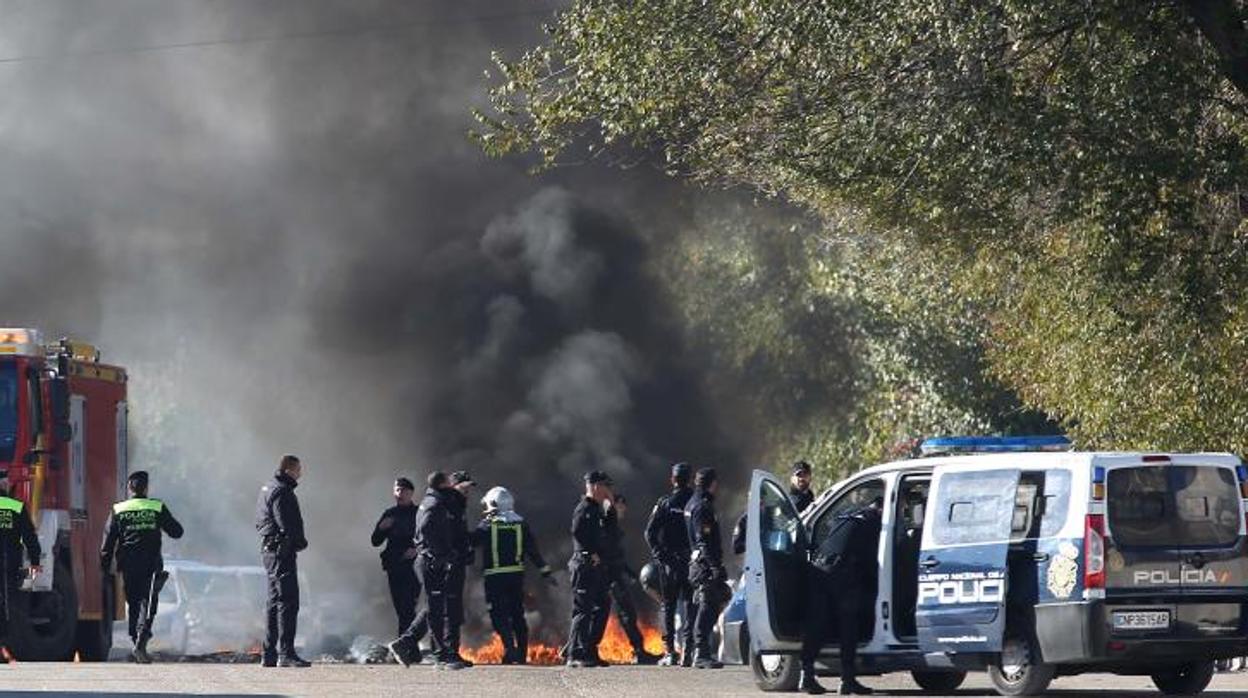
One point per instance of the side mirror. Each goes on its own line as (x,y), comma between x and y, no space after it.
(58,392)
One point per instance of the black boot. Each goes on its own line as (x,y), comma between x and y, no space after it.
(851,687)
(807,683)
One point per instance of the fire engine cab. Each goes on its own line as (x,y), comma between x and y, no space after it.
(63,442)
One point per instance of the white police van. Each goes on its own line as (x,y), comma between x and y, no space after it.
(1023,559)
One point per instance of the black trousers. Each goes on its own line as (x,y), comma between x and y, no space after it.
(404,594)
(443,614)
(676,590)
(832,600)
(709,584)
(137,580)
(504,595)
(589,607)
(625,610)
(282,606)
(12,582)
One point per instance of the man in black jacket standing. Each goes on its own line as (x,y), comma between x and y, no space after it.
(133,533)
(668,539)
(706,565)
(16,532)
(397,529)
(280,525)
(589,577)
(799,490)
(619,577)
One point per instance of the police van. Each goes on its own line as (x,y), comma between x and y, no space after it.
(1016,556)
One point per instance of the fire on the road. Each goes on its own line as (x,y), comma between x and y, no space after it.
(615,647)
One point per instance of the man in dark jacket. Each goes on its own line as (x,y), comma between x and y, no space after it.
(799,490)
(506,541)
(444,549)
(668,538)
(589,577)
(843,577)
(16,532)
(279,523)
(706,565)
(397,529)
(133,533)
(619,577)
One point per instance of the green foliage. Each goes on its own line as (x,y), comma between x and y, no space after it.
(1066,182)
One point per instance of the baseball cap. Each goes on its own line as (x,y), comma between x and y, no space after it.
(801,467)
(459,477)
(595,477)
(681,470)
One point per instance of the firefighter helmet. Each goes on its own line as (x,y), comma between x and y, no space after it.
(651,579)
(498,500)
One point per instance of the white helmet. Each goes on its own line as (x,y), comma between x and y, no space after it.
(498,500)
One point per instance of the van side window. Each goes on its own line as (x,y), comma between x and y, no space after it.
(855,498)
(1040,505)
(974,507)
(779,522)
(1056,502)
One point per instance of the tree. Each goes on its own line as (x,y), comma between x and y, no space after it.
(1077,172)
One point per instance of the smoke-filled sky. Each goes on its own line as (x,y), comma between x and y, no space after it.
(271,215)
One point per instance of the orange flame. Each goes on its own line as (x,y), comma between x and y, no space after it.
(615,647)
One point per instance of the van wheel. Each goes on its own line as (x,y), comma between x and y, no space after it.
(938,681)
(775,672)
(1185,679)
(1019,671)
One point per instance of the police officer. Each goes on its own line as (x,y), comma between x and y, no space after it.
(280,526)
(443,550)
(16,532)
(133,533)
(799,490)
(619,577)
(668,538)
(842,579)
(706,565)
(397,529)
(506,541)
(589,575)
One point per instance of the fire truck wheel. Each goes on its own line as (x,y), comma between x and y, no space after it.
(45,624)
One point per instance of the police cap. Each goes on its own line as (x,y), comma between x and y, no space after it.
(460,477)
(403,483)
(596,477)
(801,468)
(681,471)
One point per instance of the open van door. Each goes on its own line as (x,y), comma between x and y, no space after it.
(775,566)
(962,565)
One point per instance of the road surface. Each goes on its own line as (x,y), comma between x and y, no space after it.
(356,681)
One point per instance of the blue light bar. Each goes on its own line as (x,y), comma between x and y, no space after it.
(1098,474)
(993,444)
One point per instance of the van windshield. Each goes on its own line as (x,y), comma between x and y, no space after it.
(8,410)
(1173,506)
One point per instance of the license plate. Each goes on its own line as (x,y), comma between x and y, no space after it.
(1141,620)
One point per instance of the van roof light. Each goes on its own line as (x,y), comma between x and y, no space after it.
(993,444)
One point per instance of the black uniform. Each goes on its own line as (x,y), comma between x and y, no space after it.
(706,568)
(801,498)
(442,539)
(16,532)
(400,570)
(843,577)
(506,541)
(618,574)
(280,525)
(668,538)
(589,579)
(133,532)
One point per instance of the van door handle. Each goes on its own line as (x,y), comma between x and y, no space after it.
(1040,557)
(929,563)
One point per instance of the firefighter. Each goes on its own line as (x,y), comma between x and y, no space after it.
(506,541)
(619,577)
(443,550)
(706,565)
(16,532)
(799,490)
(397,529)
(589,577)
(842,579)
(280,526)
(668,539)
(133,533)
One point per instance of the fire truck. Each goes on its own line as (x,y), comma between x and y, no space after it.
(63,442)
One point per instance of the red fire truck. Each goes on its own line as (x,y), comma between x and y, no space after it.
(63,442)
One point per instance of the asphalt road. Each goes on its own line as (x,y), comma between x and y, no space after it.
(357,681)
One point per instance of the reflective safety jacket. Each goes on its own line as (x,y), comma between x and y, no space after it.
(16,532)
(134,532)
(505,542)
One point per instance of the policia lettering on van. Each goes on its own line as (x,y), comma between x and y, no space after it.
(1017,556)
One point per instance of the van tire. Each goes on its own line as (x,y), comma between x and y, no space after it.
(1019,672)
(938,681)
(775,672)
(1185,679)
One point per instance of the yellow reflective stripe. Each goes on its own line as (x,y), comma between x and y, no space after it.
(496,568)
(519,544)
(501,570)
(138,504)
(10,504)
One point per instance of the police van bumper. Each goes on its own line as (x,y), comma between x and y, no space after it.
(1083,633)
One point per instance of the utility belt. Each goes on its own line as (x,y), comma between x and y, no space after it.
(272,543)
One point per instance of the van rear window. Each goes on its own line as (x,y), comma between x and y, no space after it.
(1173,505)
